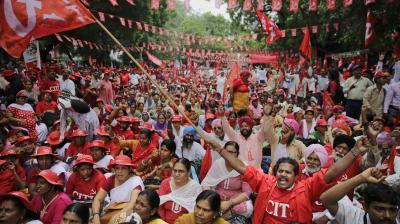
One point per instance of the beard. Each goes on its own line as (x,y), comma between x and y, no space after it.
(337,156)
(312,170)
(246,133)
(187,144)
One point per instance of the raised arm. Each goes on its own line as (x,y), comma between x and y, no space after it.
(229,131)
(235,163)
(331,197)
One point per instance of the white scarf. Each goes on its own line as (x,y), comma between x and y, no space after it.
(185,196)
(217,174)
(122,193)
(306,132)
(25,107)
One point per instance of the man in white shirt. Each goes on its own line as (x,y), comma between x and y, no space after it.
(66,83)
(190,149)
(381,201)
(262,75)
(221,79)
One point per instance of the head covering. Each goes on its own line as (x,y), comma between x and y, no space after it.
(348,140)
(158,126)
(216,123)
(322,122)
(381,74)
(176,118)
(384,137)
(292,123)
(44,151)
(79,133)
(342,125)
(320,151)
(51,177)
(84,159)
(121,160)
(189,130)
(8,73)
(244,74)
(338,107)
(21,94)
(247,120)
(98,144)
(20,196)
(54,138)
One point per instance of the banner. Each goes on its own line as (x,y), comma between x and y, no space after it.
(154,59)
(32,55)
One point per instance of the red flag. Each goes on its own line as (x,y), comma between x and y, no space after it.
(171,4)
(367,2)
(155,4)
(246,5)
(276,5)
(331,4)
(122,21)
(305,46)
(313,5)
(234,74)
(232,4)
(294,5)
(271,30)
(59,37)
(294,32)
(113,2)
(154,59)
(101,17)
(130,2)
(139,25)
(369,30)
(347,3)
(130,24)
(25,21)
(327,104)
(314,29)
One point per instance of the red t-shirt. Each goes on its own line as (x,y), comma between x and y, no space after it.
(43,107)
(274,205)
(126,135)
(8,180)
(52,85)
(169,211)
(73,150)
(124,79)
(114,149)
(80,190)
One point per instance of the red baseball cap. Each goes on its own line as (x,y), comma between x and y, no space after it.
(8,152)
(54,138)
(147,125)
(176,118)
(101,132)
(20,197)
(338,107)
(21,94)
(322,122)
(99,144)
(51,177)
(121,160)
(44,151)
(23,139)
(135,120)
(123,119)
(84,159)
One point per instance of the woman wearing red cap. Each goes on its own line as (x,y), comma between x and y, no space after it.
(15,208)
(123,188)
(78,145)
(50,200)
(113,147)
(99,151)
(85,181)
(24,112)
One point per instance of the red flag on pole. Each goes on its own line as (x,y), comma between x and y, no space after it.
(276,5)
(101,16)
(155,4)
(232,4)
(25,21)
(369,29)
(130,2)
(171,4)
(234,74)
(367,2)
(305,46)
(114,2)
(327,104)
(271,30)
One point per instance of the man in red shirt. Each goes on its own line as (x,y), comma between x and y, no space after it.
(122,130)
(282,198)
(86,181)
(78,145)
(47,104)
(52,84)
(114,148)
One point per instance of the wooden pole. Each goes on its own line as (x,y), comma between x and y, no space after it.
(123,48)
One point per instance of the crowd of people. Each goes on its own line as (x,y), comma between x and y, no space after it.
(289,144)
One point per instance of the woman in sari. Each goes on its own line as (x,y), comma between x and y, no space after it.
(145,209)
(178,193)
(24,112)
(229,185)
(123,189)
(161,125)
(206,211)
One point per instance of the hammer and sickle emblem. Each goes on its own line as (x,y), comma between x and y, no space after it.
(14,22)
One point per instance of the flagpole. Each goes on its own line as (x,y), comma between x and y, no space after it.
(123,48)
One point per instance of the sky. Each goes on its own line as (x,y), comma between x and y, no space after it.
(203,6)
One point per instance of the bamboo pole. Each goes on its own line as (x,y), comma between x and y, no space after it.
(123,48)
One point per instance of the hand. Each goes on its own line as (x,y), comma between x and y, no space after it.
(372,175)
(362,144)
(225,206)
(321,220)
(373,130)
(214,145)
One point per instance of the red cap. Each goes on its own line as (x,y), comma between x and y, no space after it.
(8,73)
(20,197)
(381,74)
(108,108)
(21,94)
(98,100)
(54,138)
(79,133)
(322,122)
(23,138)
(51,177)
(84,159)
(8,152)
(210,116)
(121,160)
(338,107)
(253,98)
(99,144)
(101,132)
(2,162)
(123,119)
(135,120)
(147,125)
(88,78)
(176,118)
(44,151)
